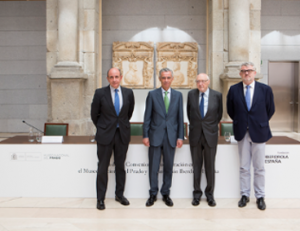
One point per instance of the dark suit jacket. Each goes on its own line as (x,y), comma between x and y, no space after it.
(208,124)
(156,120)
(104,115)
(257,119)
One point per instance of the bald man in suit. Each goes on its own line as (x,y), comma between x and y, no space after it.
(111,110)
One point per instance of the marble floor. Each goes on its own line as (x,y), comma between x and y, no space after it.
(78,214)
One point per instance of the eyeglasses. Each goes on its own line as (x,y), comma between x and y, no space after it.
(249,71)
(201,81)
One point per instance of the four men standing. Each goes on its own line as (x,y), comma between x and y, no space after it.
(249,104)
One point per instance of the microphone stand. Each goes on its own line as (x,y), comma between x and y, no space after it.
(32,126)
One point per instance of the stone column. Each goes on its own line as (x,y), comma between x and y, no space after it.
(67,77)
(239,43)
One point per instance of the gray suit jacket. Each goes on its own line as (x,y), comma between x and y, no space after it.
(157,121)
(208,124)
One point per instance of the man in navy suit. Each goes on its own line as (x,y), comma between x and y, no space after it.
(111,110)
(162,133)
(250,105)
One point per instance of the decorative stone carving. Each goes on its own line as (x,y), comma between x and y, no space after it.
(182,58)
(135,60)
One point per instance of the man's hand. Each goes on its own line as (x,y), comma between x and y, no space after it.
(146,142)
(179,143)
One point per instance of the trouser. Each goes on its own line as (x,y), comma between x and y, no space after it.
(256,151)
(154,162)
(104,153)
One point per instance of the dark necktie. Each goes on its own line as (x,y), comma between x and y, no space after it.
(248,98)
(117,102)
(202,105)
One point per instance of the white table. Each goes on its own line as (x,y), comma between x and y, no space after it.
(69,170)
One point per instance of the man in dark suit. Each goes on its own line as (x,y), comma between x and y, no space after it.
(163,132)
(204,110)
(250,105)
(111,110)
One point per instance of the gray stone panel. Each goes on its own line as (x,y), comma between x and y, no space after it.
(22,23)
(14,111)
(186,22)
(106,52)
(23,82)
(108,37)
(3,11)
(3,122)
(23,67)
(197,7)
(106,65)
(280,23)
(22,38)
(270,7)
(290,8)
(202,52)
(135,22)
(38,111)
(21,96)
(22,53)
(23,8)
(35,8)
(198,35)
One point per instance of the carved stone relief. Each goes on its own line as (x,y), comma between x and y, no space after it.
(182,59)
(135,60)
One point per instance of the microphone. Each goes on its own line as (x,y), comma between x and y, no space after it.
(32,126)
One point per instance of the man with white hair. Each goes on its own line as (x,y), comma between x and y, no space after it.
(204,110)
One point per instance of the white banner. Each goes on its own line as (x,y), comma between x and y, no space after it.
(69,170)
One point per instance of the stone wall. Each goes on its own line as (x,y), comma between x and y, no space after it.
(23,94)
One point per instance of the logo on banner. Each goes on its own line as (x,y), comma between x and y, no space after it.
(279,158)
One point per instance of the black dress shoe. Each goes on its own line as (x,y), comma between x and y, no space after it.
(122,200)
(168,201)
(100,205)
(196,201)
(211,202)
(261,203)
(151,200)
(243,201)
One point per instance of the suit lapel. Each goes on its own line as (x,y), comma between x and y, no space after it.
(196,101)
(124,99)
(242,96)
(255,94)
(172,100)
(109,99)
(210,101)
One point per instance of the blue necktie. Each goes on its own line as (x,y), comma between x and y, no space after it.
(202,105)
(117,102)
(248,98)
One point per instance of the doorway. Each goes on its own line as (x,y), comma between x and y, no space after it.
(284,80)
